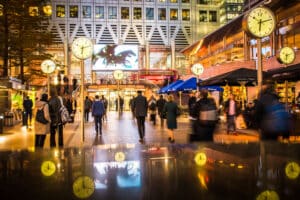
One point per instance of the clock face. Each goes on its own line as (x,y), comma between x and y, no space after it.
(82,48)
(287,55)
(197,69)
(119,156)
(200,159)
(48,66)
(260,22)
(48,168)
(118,74)
(268,195)
(83,187)
(292,170)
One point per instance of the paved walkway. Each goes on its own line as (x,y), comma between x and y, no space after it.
(117,130)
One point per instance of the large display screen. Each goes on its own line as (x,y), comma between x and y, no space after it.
(122,174)
(112,57)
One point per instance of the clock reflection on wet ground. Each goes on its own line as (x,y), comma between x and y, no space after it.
(177,171)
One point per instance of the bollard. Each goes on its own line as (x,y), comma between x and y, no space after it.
(24,118)
(1,123)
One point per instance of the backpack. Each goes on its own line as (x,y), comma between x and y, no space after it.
(64,113)
(40,116)
(152,106)
(208,114)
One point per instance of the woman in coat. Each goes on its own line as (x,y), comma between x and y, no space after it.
(42,129)
(171,110)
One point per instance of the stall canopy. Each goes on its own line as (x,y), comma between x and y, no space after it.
(212,88)
(290,73)
(165,89)
(234,78)
(187,85)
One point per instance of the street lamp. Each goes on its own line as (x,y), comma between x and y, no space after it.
(48,66)
(82,48)
(118,75)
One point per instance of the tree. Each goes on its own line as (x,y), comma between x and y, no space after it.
(22,29)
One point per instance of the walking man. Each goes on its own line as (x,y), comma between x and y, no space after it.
(231,112)
(97,112)
(27,104)
(87,108)
(140,107)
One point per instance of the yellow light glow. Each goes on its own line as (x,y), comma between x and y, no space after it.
(200,159)
(231,164)
(268,194)
(240,166)
(83,187)
(292,170)
(48,168)
(47,10)
(33,11)
(120,156)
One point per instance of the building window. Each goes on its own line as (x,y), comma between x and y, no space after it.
(186,14)
(149,0)
(173,14)
(99,12)
(112,12)
(161,14)
(213,16)
(124,12)
(161,0)
(33,11)
(149,13)
(173,1)
(86,11)
(185,1)
(202,16)
(73,11)
(203,2)
(137,13)
(60,11)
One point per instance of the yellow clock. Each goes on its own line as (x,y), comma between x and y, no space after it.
(197,69)
(118,74)
(83,187)
(82,48)
(259,22)
(48,66)
(200,159)
(286,55)
(48,168)
(268,195)
(120,156)
(292,170)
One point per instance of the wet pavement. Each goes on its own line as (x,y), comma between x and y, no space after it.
(117,130)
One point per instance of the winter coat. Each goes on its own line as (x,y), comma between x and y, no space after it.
(40,128)
(140,106)
(170,109)
(98,108)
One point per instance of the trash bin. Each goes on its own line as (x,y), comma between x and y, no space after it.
(8,119)
(1,123)
(24,118)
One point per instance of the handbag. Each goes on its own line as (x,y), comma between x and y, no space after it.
(40,116)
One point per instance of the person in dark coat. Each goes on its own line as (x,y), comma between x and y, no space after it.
(160,106)
(171,110)
(204,126)
(140,107)
(97,112)
(87,108)
(27,105)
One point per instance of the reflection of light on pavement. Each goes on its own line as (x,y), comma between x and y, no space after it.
(200,159)
(202,180)
(2,139)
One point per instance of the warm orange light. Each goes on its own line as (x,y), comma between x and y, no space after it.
(47,10)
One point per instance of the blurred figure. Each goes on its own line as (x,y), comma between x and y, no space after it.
(298,100)
(87,108)
(27,105)
(140,107)
(105,103)
(152,109)
(160,106)
(69,107)
(42,129)
(171,110)
(97,112)
(206,114)
(191,104)
(231,113)
(271,115)
(131,106)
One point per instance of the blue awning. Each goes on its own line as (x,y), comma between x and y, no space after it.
(212,88)
(187,85)
(166,88)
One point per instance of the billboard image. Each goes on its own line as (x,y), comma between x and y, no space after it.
(112,57)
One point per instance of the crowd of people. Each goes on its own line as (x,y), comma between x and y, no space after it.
(266,113)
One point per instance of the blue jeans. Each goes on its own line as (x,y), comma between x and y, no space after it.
(98,124)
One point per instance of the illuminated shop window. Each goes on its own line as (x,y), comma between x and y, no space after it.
(173,14)
(213,16)
(185,1)
(161,14)
(33,11)
(161,0)
(1,10)
(149,13)
(112,12)
(99,12)
(86,11)
(124,12)
(149,0)
(186,14)
(202,16)
(137,13)
(60,11)
(47,9)
(73,11)
(173,1)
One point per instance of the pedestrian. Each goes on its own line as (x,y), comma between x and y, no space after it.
(272,117)
(27,105)
(152,109)
(205,113)
(97,112)
(56,123)
(42,129)
(140,107)
(160,106)
(171,109)
(298,100)
(231,113)
(191,104)
(131,106)
(69,107)
(87,108)
(121,104)
(105,103)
